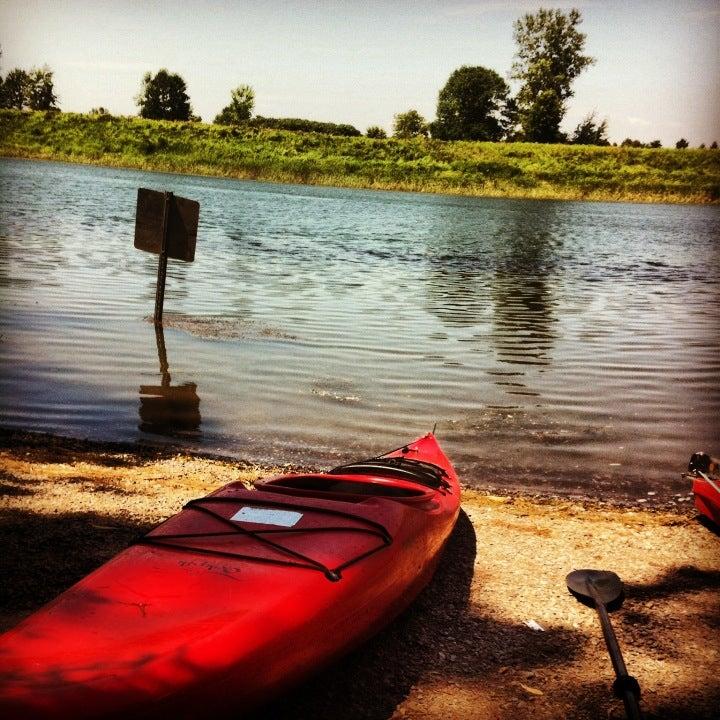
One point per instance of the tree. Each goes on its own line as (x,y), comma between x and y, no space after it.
(549,58)
(33,90)
(409,124)
(242,102)
(164,97)
(714,145)
(541,120)
(681,144)
(471,106)
(40,89)
(374,131)
(590,132)
(14,89)
(655,144)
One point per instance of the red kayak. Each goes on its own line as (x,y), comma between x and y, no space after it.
(240,595)
(706,485)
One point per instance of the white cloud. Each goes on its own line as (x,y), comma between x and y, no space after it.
(641,122)
(110,66)
(522,6)
(702,14)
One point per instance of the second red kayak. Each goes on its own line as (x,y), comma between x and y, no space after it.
(240,595)
(706,485)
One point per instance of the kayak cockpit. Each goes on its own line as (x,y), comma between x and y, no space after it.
(390,477)
(400,468)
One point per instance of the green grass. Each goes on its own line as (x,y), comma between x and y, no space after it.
(464,168)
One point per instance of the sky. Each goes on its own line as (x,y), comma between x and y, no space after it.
(656,74)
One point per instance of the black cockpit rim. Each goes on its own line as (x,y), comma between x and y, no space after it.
(415,471)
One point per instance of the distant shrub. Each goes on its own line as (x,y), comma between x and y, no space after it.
(376,132)
(590,132)
(242,102)
(101,114)
(409,124)
(627,142)
(681,144)
(300,125)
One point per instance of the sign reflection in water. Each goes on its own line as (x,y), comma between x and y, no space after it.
(168,410)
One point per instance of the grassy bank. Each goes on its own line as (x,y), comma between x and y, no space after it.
(465,168)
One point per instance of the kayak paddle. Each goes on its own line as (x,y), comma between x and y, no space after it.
(603,588)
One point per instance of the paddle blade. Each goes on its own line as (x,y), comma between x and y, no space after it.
(599,586)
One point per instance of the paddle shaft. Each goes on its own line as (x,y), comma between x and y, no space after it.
(632,708)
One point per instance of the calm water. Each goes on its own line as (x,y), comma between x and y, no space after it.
(557,345)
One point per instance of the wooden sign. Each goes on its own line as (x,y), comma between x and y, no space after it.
(180,228)
(166,225)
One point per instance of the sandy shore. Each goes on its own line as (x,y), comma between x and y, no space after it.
(463,649)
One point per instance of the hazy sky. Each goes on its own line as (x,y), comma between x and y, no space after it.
(657,73)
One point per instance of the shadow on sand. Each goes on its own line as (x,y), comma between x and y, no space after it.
(443,638)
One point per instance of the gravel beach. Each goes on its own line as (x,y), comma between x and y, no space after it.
(495,635)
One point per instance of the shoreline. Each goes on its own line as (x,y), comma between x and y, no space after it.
(463,649)
(622,499)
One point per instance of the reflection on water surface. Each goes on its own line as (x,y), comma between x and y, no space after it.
(564,346)
(166,409)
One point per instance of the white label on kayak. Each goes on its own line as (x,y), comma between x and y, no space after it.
(267,516)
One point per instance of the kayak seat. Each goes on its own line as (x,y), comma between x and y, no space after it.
(320,484)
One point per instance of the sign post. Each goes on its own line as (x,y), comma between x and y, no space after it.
(162,262)
(165,224)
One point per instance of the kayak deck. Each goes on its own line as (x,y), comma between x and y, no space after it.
(265,545)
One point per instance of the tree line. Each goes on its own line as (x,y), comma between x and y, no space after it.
(474,104)
(163,96)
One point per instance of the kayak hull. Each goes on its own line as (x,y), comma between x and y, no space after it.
(239,596)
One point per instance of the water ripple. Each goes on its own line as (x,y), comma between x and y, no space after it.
(557,345)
